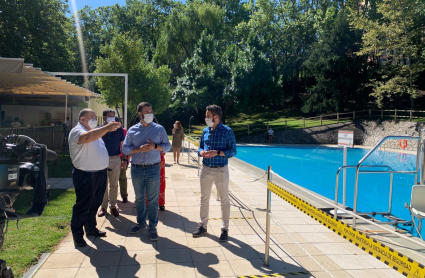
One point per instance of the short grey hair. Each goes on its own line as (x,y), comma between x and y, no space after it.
(84,112)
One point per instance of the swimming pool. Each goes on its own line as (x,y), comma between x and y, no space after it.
(315,168)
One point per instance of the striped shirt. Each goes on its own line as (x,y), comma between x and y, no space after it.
(219,139)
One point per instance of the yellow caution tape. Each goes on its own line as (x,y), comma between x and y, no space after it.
(276,274)
(385,254)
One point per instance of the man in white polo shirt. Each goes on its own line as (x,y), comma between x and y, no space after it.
(90,159)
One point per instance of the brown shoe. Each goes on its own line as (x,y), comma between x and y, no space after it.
(115,212)
(102,212)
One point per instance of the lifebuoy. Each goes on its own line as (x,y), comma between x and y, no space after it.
(402,157)
(403,145)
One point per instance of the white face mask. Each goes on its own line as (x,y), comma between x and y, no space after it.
(110,119)
(92,123)
(148,118)
(174,125)
(209,122)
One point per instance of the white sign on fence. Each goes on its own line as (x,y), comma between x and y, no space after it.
(346,138)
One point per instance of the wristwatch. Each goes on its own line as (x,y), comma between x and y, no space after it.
(156,146)
(218,152)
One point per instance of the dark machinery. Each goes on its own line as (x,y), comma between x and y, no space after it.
(22,167)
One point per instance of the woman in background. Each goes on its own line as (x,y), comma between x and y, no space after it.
(178,136)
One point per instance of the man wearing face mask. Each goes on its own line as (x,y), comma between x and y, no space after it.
(113,142)
(217,145)
(144,142)
(90,159)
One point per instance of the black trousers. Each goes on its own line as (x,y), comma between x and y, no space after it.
(89,188)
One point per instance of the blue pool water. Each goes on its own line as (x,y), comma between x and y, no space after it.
(315,168)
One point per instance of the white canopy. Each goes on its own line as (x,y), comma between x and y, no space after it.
(19,78)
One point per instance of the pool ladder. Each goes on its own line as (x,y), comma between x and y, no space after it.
(387,214)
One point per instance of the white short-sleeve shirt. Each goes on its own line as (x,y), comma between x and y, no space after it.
(87,157)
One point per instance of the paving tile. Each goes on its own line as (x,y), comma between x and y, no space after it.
(97,259)
(240,252)
(97,272)
(181,270)
(331,248)
(207,254)
(56,272)
(145,271)
(204,241)
(173,243)
(181,255)
(211,270)
(139,243)
(256,267)
(69,260)
(107,245)
(138,257)
(315,237)
(347,262)
(373,273)
(327,263)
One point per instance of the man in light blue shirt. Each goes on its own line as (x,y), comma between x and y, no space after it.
(144,142)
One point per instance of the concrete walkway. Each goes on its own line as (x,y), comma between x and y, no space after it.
(298,243)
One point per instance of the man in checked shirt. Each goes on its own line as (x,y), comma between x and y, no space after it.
(217,145)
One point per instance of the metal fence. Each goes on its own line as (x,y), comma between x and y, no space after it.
(54,137)
(330,119)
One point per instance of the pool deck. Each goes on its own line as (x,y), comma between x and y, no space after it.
(298,243)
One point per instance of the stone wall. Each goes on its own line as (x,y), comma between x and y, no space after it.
(366,133)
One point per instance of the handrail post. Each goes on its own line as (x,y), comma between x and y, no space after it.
(188,153)
(354,115)
(303,122)
(344,183)
(320,119)
(391,193)
(337,117)
(382,114)
(395,114)
(286,124)
(199,164)
(248,129)
(356,185)
(421,134)
(336,195)
(266,252)
(411,114)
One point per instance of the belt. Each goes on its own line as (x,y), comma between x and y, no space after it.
(213,166)
(144,165)
(114,155)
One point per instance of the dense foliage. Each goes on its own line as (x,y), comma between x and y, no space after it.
(318,56)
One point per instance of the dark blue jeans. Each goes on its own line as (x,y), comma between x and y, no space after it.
(146,180)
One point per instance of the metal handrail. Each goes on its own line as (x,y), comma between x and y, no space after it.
(392,172)
(189,150)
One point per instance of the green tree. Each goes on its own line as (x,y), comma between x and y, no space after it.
(394,40)
(39,32)
(146,81)
(337,74)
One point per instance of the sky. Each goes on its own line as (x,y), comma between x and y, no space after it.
(97,3)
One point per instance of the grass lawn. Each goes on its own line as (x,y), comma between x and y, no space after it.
(35,236)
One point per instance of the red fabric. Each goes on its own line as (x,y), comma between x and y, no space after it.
(161,199)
